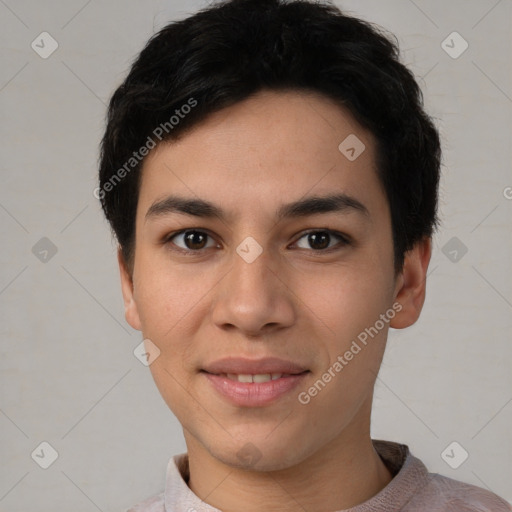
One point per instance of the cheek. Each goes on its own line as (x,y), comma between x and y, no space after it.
(346,309)
(347,299)
(172,305)
(168,303)
(164,295)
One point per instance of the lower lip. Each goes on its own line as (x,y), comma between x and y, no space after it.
(247,394)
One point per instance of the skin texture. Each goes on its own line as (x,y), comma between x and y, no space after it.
(293,301)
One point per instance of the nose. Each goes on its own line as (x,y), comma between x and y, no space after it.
(254,297)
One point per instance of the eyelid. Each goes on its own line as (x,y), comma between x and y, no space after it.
(168,240)
(343,239)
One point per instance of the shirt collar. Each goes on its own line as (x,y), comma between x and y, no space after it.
(409,476)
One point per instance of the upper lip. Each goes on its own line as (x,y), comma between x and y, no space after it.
(239,365)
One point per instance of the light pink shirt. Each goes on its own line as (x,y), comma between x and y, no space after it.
(412,489)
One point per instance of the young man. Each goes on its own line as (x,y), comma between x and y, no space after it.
(271,178)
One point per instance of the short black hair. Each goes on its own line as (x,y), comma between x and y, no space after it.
(229,51)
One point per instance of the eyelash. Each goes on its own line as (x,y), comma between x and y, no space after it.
(343,240)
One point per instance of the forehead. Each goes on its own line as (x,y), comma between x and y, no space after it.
(273,146)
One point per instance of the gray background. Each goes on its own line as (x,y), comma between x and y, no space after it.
(69,376)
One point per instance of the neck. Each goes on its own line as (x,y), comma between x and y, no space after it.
(344,473)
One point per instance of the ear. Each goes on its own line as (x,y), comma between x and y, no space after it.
(411,284)
(131,312)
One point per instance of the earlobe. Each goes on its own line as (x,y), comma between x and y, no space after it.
(411,284)
(131,312)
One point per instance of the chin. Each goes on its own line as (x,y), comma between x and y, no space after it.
(260,453)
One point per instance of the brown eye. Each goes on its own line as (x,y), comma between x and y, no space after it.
(191,240)
(320,240)
(195,240)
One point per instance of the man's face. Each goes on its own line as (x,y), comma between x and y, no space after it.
(321,279)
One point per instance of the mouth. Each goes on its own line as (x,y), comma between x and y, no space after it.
(246,382)
(253,390)
(254,370)
(255,378)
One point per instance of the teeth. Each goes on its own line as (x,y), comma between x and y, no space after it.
(261,377)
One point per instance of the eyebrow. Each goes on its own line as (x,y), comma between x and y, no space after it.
(339,203)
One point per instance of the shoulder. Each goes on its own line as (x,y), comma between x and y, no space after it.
(153,504)
(414,488)
(449,495)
